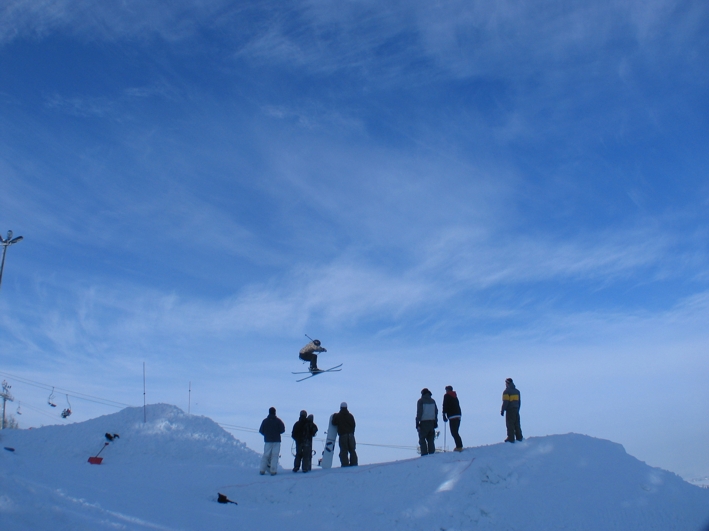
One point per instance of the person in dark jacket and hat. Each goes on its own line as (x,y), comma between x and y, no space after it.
(307,443)
(511,403)
(303,432)
(451,414)
(426,422)
(271,429)
(297,434)
(345,422)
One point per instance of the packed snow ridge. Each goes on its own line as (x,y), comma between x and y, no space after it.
(165,474)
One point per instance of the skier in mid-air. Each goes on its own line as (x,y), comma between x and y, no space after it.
(309,353)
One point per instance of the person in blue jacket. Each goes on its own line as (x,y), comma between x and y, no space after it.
(511,403)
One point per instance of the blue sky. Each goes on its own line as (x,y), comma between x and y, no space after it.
(442,192)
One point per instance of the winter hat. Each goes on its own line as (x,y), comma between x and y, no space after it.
(509,381)
(343,405)
(271,410)
(449,387)
(310,417)
(425,391)
(303,413)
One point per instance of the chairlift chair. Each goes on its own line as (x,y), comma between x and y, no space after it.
(67,411)
(50,400)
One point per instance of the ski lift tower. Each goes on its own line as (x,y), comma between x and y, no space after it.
(5,395)
(5,244)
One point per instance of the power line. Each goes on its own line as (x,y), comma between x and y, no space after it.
(74,394)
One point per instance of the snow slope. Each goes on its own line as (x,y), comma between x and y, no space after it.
(165,474)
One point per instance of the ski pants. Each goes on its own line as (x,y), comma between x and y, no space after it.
(514,429)
(269,461)
(298,456)
(348,445)
(454,423)
(427,436)
(311,357)
(304,454)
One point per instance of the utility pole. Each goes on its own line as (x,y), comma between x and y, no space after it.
(6,395)
(5,244)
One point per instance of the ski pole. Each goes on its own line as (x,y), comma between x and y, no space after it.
(101,450)
(310,338)
(444,439)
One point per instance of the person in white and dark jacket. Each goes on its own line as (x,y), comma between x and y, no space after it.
(426,422)
(271,429)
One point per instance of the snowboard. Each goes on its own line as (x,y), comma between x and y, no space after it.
(336,368)
(326,460)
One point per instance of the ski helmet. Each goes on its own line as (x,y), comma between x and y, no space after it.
(317,342)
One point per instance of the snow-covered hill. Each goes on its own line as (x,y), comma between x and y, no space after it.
(165,474)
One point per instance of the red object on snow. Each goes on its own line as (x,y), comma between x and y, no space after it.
(96,460)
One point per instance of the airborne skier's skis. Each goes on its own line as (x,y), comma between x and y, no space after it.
(336,368)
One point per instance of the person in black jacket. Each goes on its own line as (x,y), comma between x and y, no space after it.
(451,414)
(303,432)
(345,423)
(298,434)
(271,429)
(309,431)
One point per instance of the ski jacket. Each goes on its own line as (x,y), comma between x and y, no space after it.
(310,429)
(271,429)
(298,432)
(304,429)
(344,421)
(451,405)
(426,409)
(310,348)
(511,399)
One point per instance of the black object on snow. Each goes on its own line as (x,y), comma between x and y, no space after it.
(221,498)
(9,449)
(111,437)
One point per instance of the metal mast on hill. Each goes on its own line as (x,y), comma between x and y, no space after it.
(6,395)
(5,244)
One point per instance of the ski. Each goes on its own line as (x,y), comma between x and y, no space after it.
(336,368)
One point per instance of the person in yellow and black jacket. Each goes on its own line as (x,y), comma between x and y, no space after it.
(511,403)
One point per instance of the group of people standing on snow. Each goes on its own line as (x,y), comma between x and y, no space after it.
(427,416)
(427,419)
(302,433)
(426,423)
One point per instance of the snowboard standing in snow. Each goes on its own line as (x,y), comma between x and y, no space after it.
(329,451)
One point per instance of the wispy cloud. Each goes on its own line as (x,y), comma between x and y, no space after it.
(130,19)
